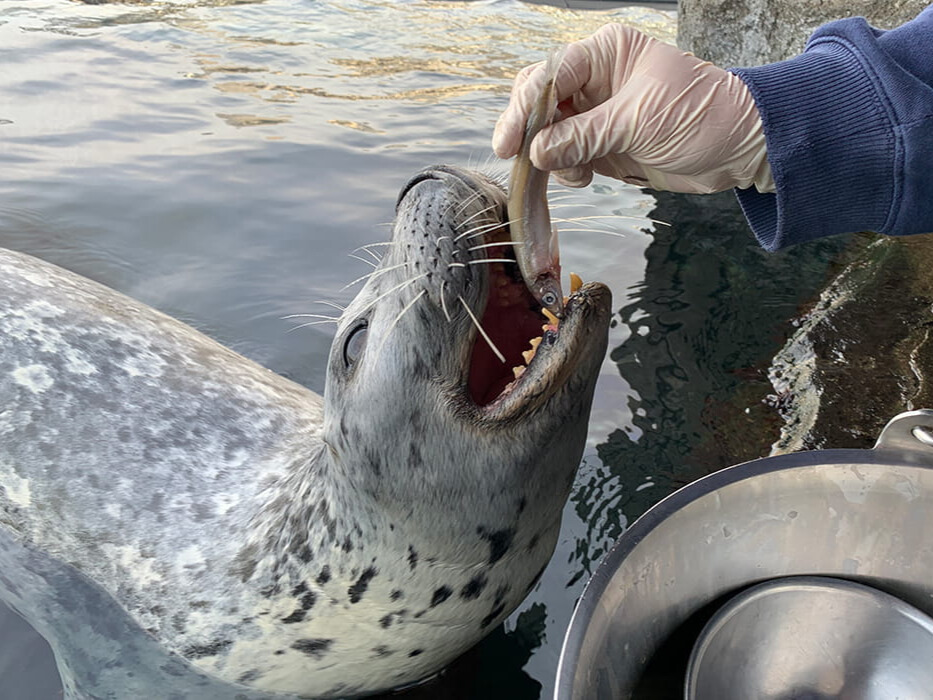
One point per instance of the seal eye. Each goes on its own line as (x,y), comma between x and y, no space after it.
(354,344)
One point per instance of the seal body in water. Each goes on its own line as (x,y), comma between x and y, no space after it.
(274,540)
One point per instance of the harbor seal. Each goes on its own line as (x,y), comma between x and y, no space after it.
(276,541)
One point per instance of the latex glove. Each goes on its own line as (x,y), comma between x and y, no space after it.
(642,111)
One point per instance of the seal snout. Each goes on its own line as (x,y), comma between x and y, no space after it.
(423,176)
(442,174)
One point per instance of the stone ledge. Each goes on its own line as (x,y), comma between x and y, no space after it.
(752,32)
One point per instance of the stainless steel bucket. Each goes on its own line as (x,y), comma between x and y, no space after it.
(861,515)
(813,637)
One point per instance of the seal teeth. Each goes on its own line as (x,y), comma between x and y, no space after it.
(552,319)
(528,356)
(576,282)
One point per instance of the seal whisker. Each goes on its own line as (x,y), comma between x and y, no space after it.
(332,304)
(324,316)
(479,327)
(477,230)
(488,165)
(363,260)
(444,303)
(463,205)
(617,234)
(377,258)
(495,244)
(492,167)
(485,224)
(396,288)
(374,273)
(486,261)
(575,205)
(310,323)
(623,217)
(484,210)
(397,319)
(368,248)
(448,210)
(483,229)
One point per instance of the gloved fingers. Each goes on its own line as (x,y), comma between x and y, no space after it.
(526,89)
(706,183)
(606,129)
(593,73)
(621,167)
(625,168)
(586,64)
(618,167)
(574,177)
(610,55)
(507,135)
(633,173)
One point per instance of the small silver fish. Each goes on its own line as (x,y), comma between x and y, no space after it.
(534,238)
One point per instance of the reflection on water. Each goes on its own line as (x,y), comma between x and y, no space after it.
(704,323)
(219,160)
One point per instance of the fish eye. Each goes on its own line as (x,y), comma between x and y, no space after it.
(354,344)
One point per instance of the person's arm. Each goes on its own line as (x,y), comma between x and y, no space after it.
(847,128)
(849,131)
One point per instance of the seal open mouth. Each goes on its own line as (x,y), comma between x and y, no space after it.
(452,225)
(514,323)
(534,351)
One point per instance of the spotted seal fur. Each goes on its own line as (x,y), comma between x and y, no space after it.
(282,543)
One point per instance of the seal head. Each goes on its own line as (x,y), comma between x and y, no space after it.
(282,544)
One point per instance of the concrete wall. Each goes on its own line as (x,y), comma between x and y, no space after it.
(752,32)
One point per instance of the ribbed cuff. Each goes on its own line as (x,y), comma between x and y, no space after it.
(831,145)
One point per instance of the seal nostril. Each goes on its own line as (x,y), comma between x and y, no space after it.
(438,172)
(420,177)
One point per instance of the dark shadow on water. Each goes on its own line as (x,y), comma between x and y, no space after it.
(712,311)
(492,669)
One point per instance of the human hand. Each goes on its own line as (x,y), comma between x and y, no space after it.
(639,110)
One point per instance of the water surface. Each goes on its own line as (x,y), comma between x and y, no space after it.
(221,160)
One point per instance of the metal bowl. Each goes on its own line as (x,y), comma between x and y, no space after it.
(813,637)
(862,515)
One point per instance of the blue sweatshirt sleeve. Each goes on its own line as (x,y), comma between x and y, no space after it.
(849,130)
